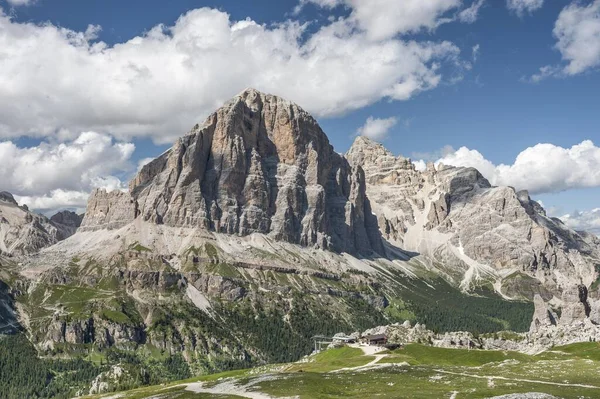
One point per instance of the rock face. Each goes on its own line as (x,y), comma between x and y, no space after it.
(456,218)
(67,218)
(542,317)
(575,304)
(23,232)
(8,198)
(67,221)
(261,164)
(108,210)
(258,164)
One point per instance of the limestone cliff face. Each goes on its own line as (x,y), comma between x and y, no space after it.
(262,164)
(455,217)
(108,210)
(258,164)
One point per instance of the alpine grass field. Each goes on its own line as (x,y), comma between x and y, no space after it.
(415,371)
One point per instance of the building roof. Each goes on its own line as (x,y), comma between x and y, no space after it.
(375,337)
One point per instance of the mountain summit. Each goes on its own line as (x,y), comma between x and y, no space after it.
(259,164)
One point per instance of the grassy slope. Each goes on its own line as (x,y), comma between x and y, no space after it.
(433,373)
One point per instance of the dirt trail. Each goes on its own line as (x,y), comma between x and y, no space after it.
(368,350)
(490,377)
(231,386)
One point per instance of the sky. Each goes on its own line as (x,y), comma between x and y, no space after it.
(89,91)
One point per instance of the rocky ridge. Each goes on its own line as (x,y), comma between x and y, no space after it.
(23,232)
(259,164)
(474,231)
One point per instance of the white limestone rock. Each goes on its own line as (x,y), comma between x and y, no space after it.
(542,317)
(258,164)
(454,218)
(24,232)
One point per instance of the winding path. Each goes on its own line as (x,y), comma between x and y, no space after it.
(489,377)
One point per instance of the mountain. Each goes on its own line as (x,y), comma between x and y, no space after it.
(23,232)
(251,235)
(259,164)
(473,232)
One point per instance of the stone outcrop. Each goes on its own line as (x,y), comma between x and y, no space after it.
(542,317)
(109,210)
(575,305)
(95,330)
(594,315)
(8,198)
(23,232)
(454,217)
(258,164)
(67,218)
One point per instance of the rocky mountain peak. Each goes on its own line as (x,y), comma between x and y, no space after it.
(67,218)
(7,197)
(261,164)
(258,164)
(365,151)
(23,232)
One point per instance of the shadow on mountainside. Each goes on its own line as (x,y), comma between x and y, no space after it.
(8,320)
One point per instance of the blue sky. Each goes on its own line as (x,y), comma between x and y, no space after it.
(487,100)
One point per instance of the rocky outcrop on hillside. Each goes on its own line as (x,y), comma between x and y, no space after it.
(67,221)
(67,218)
(108,210)
(23,232)
(258,164)
(455,217)
(542,316)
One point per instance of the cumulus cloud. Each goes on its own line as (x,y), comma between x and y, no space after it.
(470,14)
(58,82)
(57,175)
(376,128)
(584,221)
(17,3)
(383,19)
(521,7)
(577,31)
(543,168)
(433,155)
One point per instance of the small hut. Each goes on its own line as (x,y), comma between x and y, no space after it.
(374,340)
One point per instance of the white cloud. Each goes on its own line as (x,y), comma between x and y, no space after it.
(475,52)
(577,31)
(383,19)
(470,14)
(433,155)
(543,168)
(55,175)
(54,201)
(521,7)
(584,221)
(17,3)
(544,72)
(377,129)
(58,82)
(420,165)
